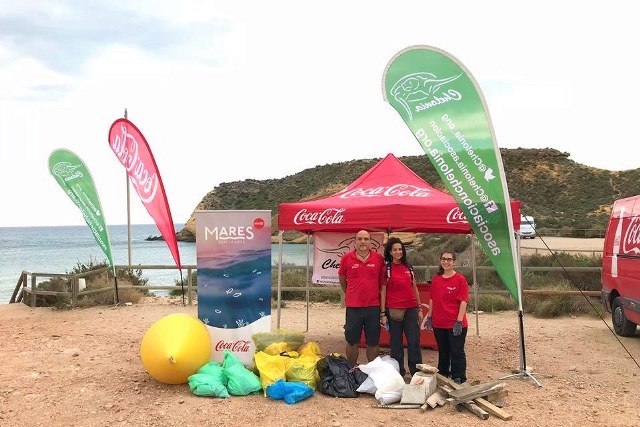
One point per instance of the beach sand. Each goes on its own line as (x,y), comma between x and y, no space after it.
(82,367)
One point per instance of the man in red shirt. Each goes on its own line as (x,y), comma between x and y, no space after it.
(361,274)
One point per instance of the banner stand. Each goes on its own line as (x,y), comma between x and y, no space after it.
(523,371)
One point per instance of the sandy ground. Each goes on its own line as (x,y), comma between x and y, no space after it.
(82,368)
(543,245)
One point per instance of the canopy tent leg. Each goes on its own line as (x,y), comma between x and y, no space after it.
(279,297)
(307,279)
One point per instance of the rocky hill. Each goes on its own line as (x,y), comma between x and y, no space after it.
(557,191)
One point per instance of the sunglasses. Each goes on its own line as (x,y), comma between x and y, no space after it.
(446,259)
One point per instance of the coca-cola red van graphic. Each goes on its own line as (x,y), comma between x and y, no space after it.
(621,266)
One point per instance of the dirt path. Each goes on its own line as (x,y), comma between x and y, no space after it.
(82,368)
(542,245)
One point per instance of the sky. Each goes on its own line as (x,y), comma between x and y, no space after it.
(232,90)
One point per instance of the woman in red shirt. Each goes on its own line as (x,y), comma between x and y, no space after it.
(447,316)
(400,306)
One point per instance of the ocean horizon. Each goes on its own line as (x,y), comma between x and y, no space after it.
(58,249)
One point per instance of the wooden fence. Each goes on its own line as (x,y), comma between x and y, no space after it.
(27,284)
(545,251)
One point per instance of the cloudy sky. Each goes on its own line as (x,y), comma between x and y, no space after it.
(230,90)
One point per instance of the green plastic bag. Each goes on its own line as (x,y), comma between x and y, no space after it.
(210,381)
(242,381)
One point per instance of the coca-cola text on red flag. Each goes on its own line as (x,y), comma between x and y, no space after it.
(133,152)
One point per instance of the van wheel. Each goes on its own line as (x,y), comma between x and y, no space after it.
(622,326)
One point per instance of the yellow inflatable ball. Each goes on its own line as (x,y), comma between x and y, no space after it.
(175,347)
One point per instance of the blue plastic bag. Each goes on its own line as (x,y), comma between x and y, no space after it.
(291,392)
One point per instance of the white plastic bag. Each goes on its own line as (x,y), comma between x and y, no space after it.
(368,385)
(387,380)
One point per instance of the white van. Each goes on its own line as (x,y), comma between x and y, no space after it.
(527,227)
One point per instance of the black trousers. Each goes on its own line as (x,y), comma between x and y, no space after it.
(452,360)
(411,330)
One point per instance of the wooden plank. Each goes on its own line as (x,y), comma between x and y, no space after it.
(493,409)
(481,402)
(436,399)
(469,406)
(21,280)
(476,391)
(398,406)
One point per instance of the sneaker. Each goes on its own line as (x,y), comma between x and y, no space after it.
(458,380)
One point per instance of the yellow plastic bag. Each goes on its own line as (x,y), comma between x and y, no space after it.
(310,349)
(303,369)
(278,348)
(293,339)
(271,368)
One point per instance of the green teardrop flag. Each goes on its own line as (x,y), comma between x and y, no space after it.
(443,106)
(74,178)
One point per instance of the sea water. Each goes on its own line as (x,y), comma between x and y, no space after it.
(60,249)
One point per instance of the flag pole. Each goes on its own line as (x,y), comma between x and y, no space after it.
(126,177)
(523,371)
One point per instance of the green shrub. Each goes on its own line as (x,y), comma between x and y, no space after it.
(184,283)
(101,281)
(491,303)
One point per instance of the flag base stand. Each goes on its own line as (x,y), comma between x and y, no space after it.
(524,372)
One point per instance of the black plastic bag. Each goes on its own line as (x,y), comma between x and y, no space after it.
(338,378)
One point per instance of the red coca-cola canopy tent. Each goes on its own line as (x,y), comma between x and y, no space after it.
(389,196)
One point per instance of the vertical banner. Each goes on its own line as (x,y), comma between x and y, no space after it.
(443,106)
(328,248)
(132,150)
(74,178)
(233,255)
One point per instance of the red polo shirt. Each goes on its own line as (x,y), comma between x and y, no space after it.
(400,292)
(446,295)
(364,279)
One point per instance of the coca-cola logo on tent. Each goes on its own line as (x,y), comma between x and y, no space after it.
(455,215)
(396,190)
(326,216)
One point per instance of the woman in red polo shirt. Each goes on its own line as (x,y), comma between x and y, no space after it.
(449,296)
(400,306)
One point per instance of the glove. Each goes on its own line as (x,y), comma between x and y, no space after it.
(457,328)
(429,324)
